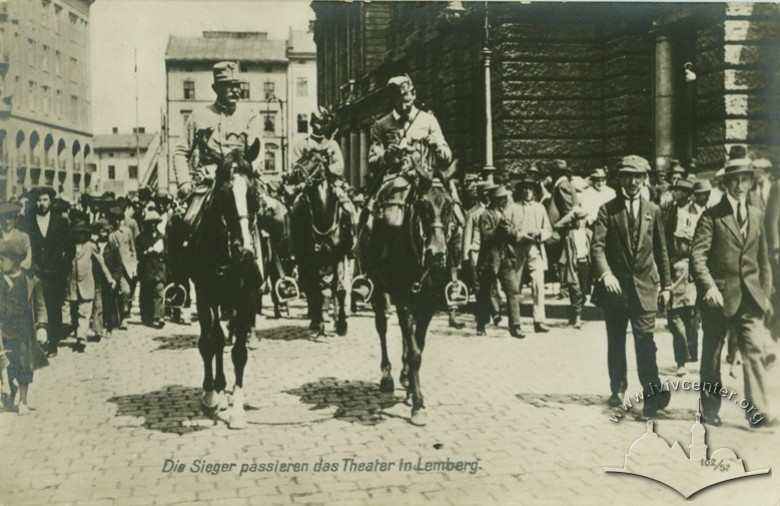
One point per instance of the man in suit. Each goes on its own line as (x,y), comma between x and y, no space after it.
(496,262)
(629,261)
(471,247)
(121,244)
(731,269)
(772,224)
(53,250)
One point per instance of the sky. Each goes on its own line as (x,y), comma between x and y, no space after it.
(119,27)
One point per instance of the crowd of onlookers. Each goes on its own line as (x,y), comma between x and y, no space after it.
(73,269)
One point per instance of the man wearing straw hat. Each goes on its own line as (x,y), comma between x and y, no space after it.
(730,266)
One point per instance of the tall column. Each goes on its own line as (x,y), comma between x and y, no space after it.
(664,101)
(363,173)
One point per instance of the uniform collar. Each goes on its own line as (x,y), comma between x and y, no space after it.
(412,113)
(220,108)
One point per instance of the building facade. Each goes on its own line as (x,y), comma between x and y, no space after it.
(278,83)
(583,82)
(45,112)
(126,161)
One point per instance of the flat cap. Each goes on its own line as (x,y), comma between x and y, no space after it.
(633,164)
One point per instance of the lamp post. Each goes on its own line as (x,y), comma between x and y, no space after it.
(453,14)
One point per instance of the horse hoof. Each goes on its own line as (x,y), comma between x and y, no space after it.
(222,401)
(341,328)
(209,400)
(404,381)
(386,385)
(419,417)
(408,399)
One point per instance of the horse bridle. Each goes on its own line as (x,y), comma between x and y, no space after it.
(437,224)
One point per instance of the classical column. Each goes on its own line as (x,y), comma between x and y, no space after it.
(664,101)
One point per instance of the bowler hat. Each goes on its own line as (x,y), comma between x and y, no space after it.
(10,208)
(702,186)
(13,249)
(683,184)
(43,190)
(226,72)
(737,151)
(633,164)
(738,166)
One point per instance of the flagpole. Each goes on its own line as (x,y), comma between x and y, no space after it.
(137,141)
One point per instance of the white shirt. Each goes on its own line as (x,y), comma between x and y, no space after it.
(593,199)
(43,222)
(633,203)
(735,209)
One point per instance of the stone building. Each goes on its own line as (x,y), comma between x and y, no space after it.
(45,111)
(279,83)
(586,82)
(126,161)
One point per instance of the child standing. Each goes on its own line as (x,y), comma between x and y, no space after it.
(22,321)
(682,309)
(151,271)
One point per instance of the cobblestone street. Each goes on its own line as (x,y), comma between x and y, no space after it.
(531,412)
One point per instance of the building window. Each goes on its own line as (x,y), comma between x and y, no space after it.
(270,123)
(31,95)
(244,91)
(189,90)
(132,171)
(45,60)
(73,70)
(111,172)
(74,107)
(31,52)
(58,104)
(46,100)
(270,161)
(57,62)
(302,87)
(303,124)
(268,89)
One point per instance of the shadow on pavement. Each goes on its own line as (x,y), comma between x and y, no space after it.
(286,333)
(177,342)
(172,409)
(355,401)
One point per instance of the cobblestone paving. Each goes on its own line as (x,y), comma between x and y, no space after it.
(531,413)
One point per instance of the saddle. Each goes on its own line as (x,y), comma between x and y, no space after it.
(193,216)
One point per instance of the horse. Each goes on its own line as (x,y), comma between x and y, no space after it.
(410,252)
(321,238)
(226,277)
(273,219)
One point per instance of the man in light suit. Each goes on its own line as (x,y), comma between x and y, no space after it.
(121,244)
(531,227)
(629,262)
(497,262)
(731,269)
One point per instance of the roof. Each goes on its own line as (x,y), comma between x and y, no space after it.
(121,141)
(256,49)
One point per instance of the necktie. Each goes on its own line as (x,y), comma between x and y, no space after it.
(741,218)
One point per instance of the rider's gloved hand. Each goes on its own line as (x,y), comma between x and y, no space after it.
(184,189)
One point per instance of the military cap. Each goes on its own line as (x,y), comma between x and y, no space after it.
(401,81)
(226,72)
(633,164)
(13,249)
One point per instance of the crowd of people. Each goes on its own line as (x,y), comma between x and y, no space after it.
(72,269)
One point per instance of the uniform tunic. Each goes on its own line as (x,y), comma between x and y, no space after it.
(210,134)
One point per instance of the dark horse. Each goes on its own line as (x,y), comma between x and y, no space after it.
(409,252)
(321,237)
(226,277)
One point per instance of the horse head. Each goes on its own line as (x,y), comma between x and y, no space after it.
(234,178)
(433,210)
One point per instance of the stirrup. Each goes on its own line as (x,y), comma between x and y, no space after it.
(362,287)
(286,289)
(457,293)
(175,296)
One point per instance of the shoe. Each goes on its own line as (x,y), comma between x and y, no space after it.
(578,323)
(615,400)
(455,324)
(541,328)
(481,330)
(81,345)
(51,353)
(713,420)
(663,399)
(769,360)
(159,324)
(681,370)
(516,332)
(645,417)
(497,320)
(122,325)
(23,409)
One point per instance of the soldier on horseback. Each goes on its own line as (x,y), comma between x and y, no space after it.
(210,134)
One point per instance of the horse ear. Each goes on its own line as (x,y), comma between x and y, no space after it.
(252,151)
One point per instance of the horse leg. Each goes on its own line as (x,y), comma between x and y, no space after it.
(341,296)
(239,356)
(219,376)
(422,319)
(206,347)
(380,321)
(404,321)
